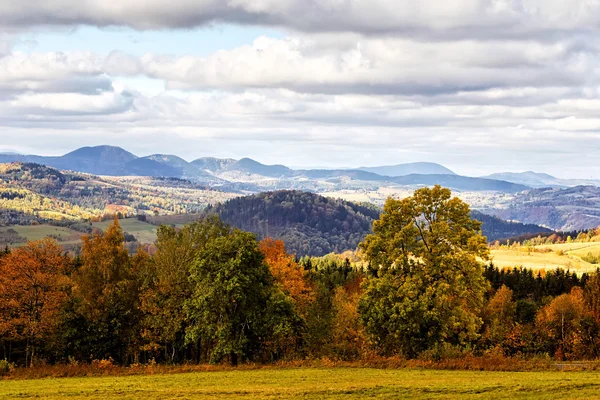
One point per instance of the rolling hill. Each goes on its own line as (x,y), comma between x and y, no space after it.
(567,209)
(420,168)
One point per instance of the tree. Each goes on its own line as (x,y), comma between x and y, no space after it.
(169,285)
(500,315)
(106,288)
(431,286)
(566,325)
(234,306)
(288,273)
(33,288)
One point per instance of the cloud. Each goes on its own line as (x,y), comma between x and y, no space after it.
(53,72)
(455,18)
(479,85)
(351,64)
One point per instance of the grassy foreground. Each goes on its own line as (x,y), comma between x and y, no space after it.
(317,383)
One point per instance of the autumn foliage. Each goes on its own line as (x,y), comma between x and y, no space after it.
(288,273)
(210,293)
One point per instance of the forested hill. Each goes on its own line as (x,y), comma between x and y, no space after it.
(495,228)
(311,224)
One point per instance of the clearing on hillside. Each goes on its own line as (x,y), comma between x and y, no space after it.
(143,231)
(571,256)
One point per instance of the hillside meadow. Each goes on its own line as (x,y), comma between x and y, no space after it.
(317,383)
(567,256)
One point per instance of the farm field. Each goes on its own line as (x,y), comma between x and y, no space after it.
(312,383)
(143,231)
(564,255)
(36,232)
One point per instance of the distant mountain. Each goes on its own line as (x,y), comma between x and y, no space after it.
(99,160)
(461,183)
(251,176)
(212,164)
(495,228)
(567,209)
(181,168)
(421,168)
(540,180)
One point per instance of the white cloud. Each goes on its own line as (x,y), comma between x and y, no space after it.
(426,17)
(479,85)
(380,65)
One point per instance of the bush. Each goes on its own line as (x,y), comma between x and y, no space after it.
(591,258)
(5,367)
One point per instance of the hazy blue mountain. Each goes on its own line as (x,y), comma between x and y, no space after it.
(254,167)
(421,168)
(110,160)
(245,166)
(100,160)
(540,180)
(355,174)
(214,165)
(461,183)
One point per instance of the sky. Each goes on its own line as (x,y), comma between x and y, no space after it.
(479,86)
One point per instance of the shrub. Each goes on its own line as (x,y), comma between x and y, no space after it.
(591,258)
(5,367)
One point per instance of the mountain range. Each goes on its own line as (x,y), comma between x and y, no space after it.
(255,176)
(540,180)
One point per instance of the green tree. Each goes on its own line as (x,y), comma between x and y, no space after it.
(168,284)
(430,289)
(235,307)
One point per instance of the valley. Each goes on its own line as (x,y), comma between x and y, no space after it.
(74,194)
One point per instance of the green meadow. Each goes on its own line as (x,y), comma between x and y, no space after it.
(316,383)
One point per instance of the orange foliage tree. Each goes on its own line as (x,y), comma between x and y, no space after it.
(565,322)
(288,273)
(33,288)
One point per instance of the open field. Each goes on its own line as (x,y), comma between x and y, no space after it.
(36,232)
(313,383)
(143,231)
(565,255)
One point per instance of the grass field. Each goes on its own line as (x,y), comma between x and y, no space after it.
(565,255)
(312,383)
(143,231)
(37,232)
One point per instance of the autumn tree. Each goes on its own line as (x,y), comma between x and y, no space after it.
(566,325)
(347,334)
(33,288)
(107,292)
(499,316)
(288,273)
(426,249)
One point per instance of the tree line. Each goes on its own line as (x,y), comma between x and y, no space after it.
(210,293)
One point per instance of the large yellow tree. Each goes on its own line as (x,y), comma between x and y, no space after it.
(430,285)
